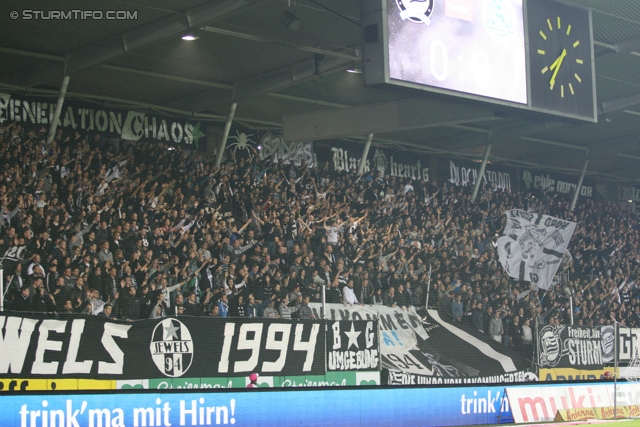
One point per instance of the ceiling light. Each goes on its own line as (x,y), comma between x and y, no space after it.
(354,70)
(189,37)
(290,20)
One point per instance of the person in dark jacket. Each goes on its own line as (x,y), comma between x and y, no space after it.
(41,303)
(62,293)
(21,302)
(129,303)
(146,304)
(402,298)
(389,297)
(190,305)
(477,315)
(107,312)
(515,333)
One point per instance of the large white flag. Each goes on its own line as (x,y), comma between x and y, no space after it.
(532,246)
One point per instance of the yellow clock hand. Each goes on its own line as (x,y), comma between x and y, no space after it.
(556,65)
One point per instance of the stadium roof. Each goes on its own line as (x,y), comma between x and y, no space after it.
(243,48)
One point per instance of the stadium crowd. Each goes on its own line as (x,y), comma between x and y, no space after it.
(91,225)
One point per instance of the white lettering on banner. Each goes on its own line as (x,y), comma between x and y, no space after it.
(17,336)
(628,343)
(404,378)
(399,330)
(135,125)
(113,330)
(547,183)
(250,338)
(67,418)
(282,345)
(344,358)
(193,412)
(369,334)
(72,366)
(278,149)
(45,344)
(343,162)
(459,175)
(353,360)
(584,352)
(337,339)
(583,347)
(491,404)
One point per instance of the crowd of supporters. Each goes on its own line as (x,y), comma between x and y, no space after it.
(133,230)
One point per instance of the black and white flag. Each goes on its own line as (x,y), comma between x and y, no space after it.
(533,245)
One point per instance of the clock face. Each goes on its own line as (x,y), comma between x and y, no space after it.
(560,59)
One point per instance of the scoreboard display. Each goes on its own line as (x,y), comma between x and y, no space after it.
(534,55)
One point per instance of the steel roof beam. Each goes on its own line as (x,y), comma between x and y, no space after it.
(136,104)
(182,79)
(266,85)
(618,104)
(623,46)
(380,118)
(497,134)
(111,47)
(350,57)
(609,147)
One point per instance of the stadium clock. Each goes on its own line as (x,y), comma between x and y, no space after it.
(561,59)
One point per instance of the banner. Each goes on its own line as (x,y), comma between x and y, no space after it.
(353,346)
(628,344)
(533,404)
(345,157)
(629,194)
(465,173)
(275,147)
(571,374)
(109,122)
(331,379)
(403,378)
(93,347)
(418,342)
(533,245)
(583,414)
(556,183)
(577,347)
(339,407)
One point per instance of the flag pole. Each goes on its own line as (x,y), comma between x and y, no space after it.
(426,302)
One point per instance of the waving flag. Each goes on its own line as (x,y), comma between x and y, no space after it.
(533,245)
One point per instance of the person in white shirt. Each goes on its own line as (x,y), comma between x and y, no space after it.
(527,334)
(333,230)
(35,263)
(348,294)
(408,187)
